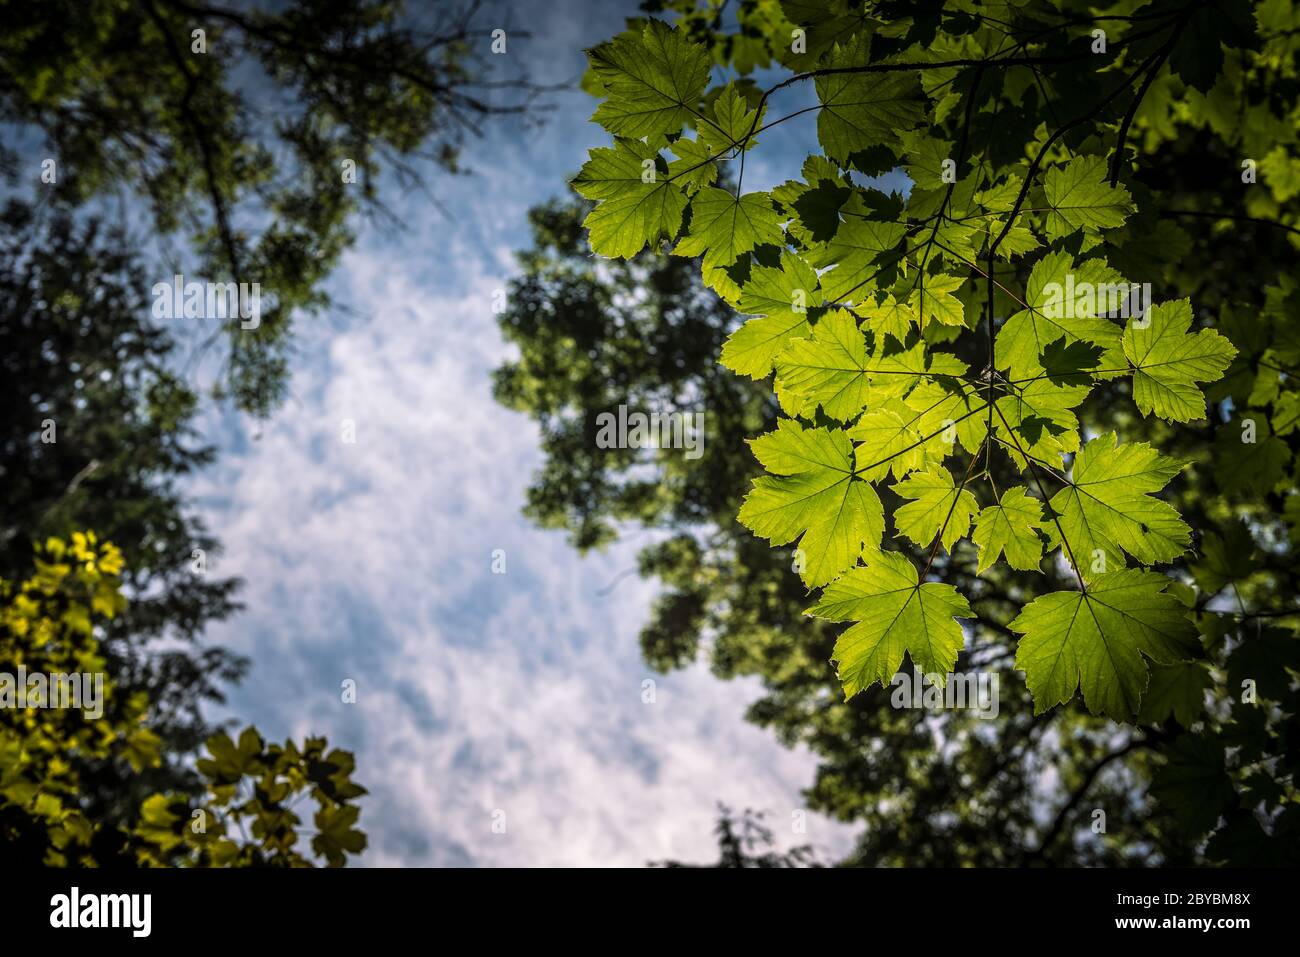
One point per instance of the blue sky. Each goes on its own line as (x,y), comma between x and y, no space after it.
(477,693)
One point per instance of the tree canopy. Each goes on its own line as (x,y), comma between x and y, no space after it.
(96,431)
(1030,416)
(254,135)
(237,144)
(243,816)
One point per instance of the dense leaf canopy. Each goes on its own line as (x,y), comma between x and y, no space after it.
(1039,406)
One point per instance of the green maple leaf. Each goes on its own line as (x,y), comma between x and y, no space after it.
(723,226)
(791,287)
(950,406)
(890,441)
(1098,641)
(895,614)
(1168,361)
(731,120)
(830,369)
(781,296)
(816,211)
(1282,172)
(860,110)
(835,371)
(925,157)
(957,243)
(857,250)
(652,80)
(336,836)
(751,349)
(1286,413)
(1000,198)
(815,494)
(933,299)
(1041,415)
(825,23)
(888,316)
(632,212)
(1009,528)
(1070,364)
(1060,308)
(157,821)
(1080,198)
(694,167)
(937,507)
(897,372)
(726,280)
(1109,510)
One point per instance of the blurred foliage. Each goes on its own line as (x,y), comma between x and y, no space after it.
(745,841)
(228,143)
(97,431)
(244,814)
(236,138)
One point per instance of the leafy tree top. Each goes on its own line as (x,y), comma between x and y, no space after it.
(871,317)
(1202,225)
